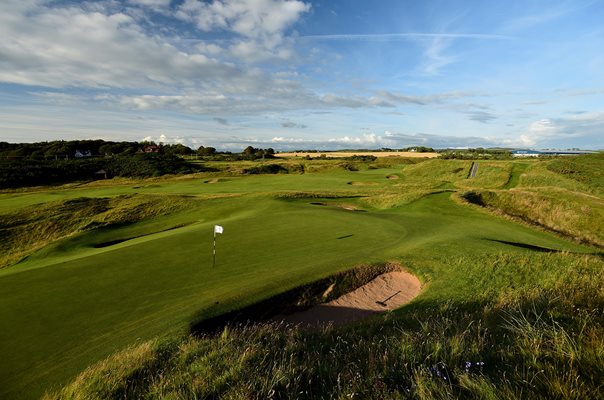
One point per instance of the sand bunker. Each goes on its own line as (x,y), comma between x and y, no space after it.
(386,292)
(392,177)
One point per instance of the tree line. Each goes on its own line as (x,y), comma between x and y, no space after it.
(62,149)
(58,162)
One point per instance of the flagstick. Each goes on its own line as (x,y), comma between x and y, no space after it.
(214,251)
(217,229)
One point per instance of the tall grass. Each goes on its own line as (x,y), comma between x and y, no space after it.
(585,169)
(541,174)
(32,228)
(573,214)
(489,175)
(538,337)
(435,172)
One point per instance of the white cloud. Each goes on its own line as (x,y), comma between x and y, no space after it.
(280,139)
(156,4)
(366,139)
(248,18)
(573,131)
(260,25)
(104,47)
(245,96)
(435,57)
(101,45)
(72,47)
(374,141)
(165,139)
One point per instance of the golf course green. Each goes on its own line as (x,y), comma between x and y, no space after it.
(86,294)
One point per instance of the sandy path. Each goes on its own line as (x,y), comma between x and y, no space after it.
(386,292)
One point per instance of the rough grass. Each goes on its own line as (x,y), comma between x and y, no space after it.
(435,172)
(489,175)
(585,169)
(396,198)
(561,194)
(32,228)
(573,214)
(540,174)
(540,337)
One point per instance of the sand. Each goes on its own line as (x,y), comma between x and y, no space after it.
(386,292)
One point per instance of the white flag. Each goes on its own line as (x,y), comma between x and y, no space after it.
(218,229)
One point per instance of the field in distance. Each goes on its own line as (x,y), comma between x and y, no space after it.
(404,154)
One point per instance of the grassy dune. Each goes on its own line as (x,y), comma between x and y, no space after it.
(577,215)
(106,282)
(563,195)
(34,227)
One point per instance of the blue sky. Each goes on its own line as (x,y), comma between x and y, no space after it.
(304,74)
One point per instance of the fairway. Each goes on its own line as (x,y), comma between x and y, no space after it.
(80,299)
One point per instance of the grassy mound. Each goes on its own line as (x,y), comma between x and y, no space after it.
(585,169)
(572,214)
(34,227)
(560,195)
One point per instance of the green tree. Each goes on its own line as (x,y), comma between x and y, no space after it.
(206,151)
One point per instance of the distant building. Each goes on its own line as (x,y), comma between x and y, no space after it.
(80,154)
(566,152)
(525,153)
(537,153)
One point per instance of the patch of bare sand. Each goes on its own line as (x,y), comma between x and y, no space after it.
(386,292)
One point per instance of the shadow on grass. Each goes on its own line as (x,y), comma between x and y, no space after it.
(526,246)
(540,248)
(118,241)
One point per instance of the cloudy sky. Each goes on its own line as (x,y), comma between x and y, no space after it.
(304,74)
